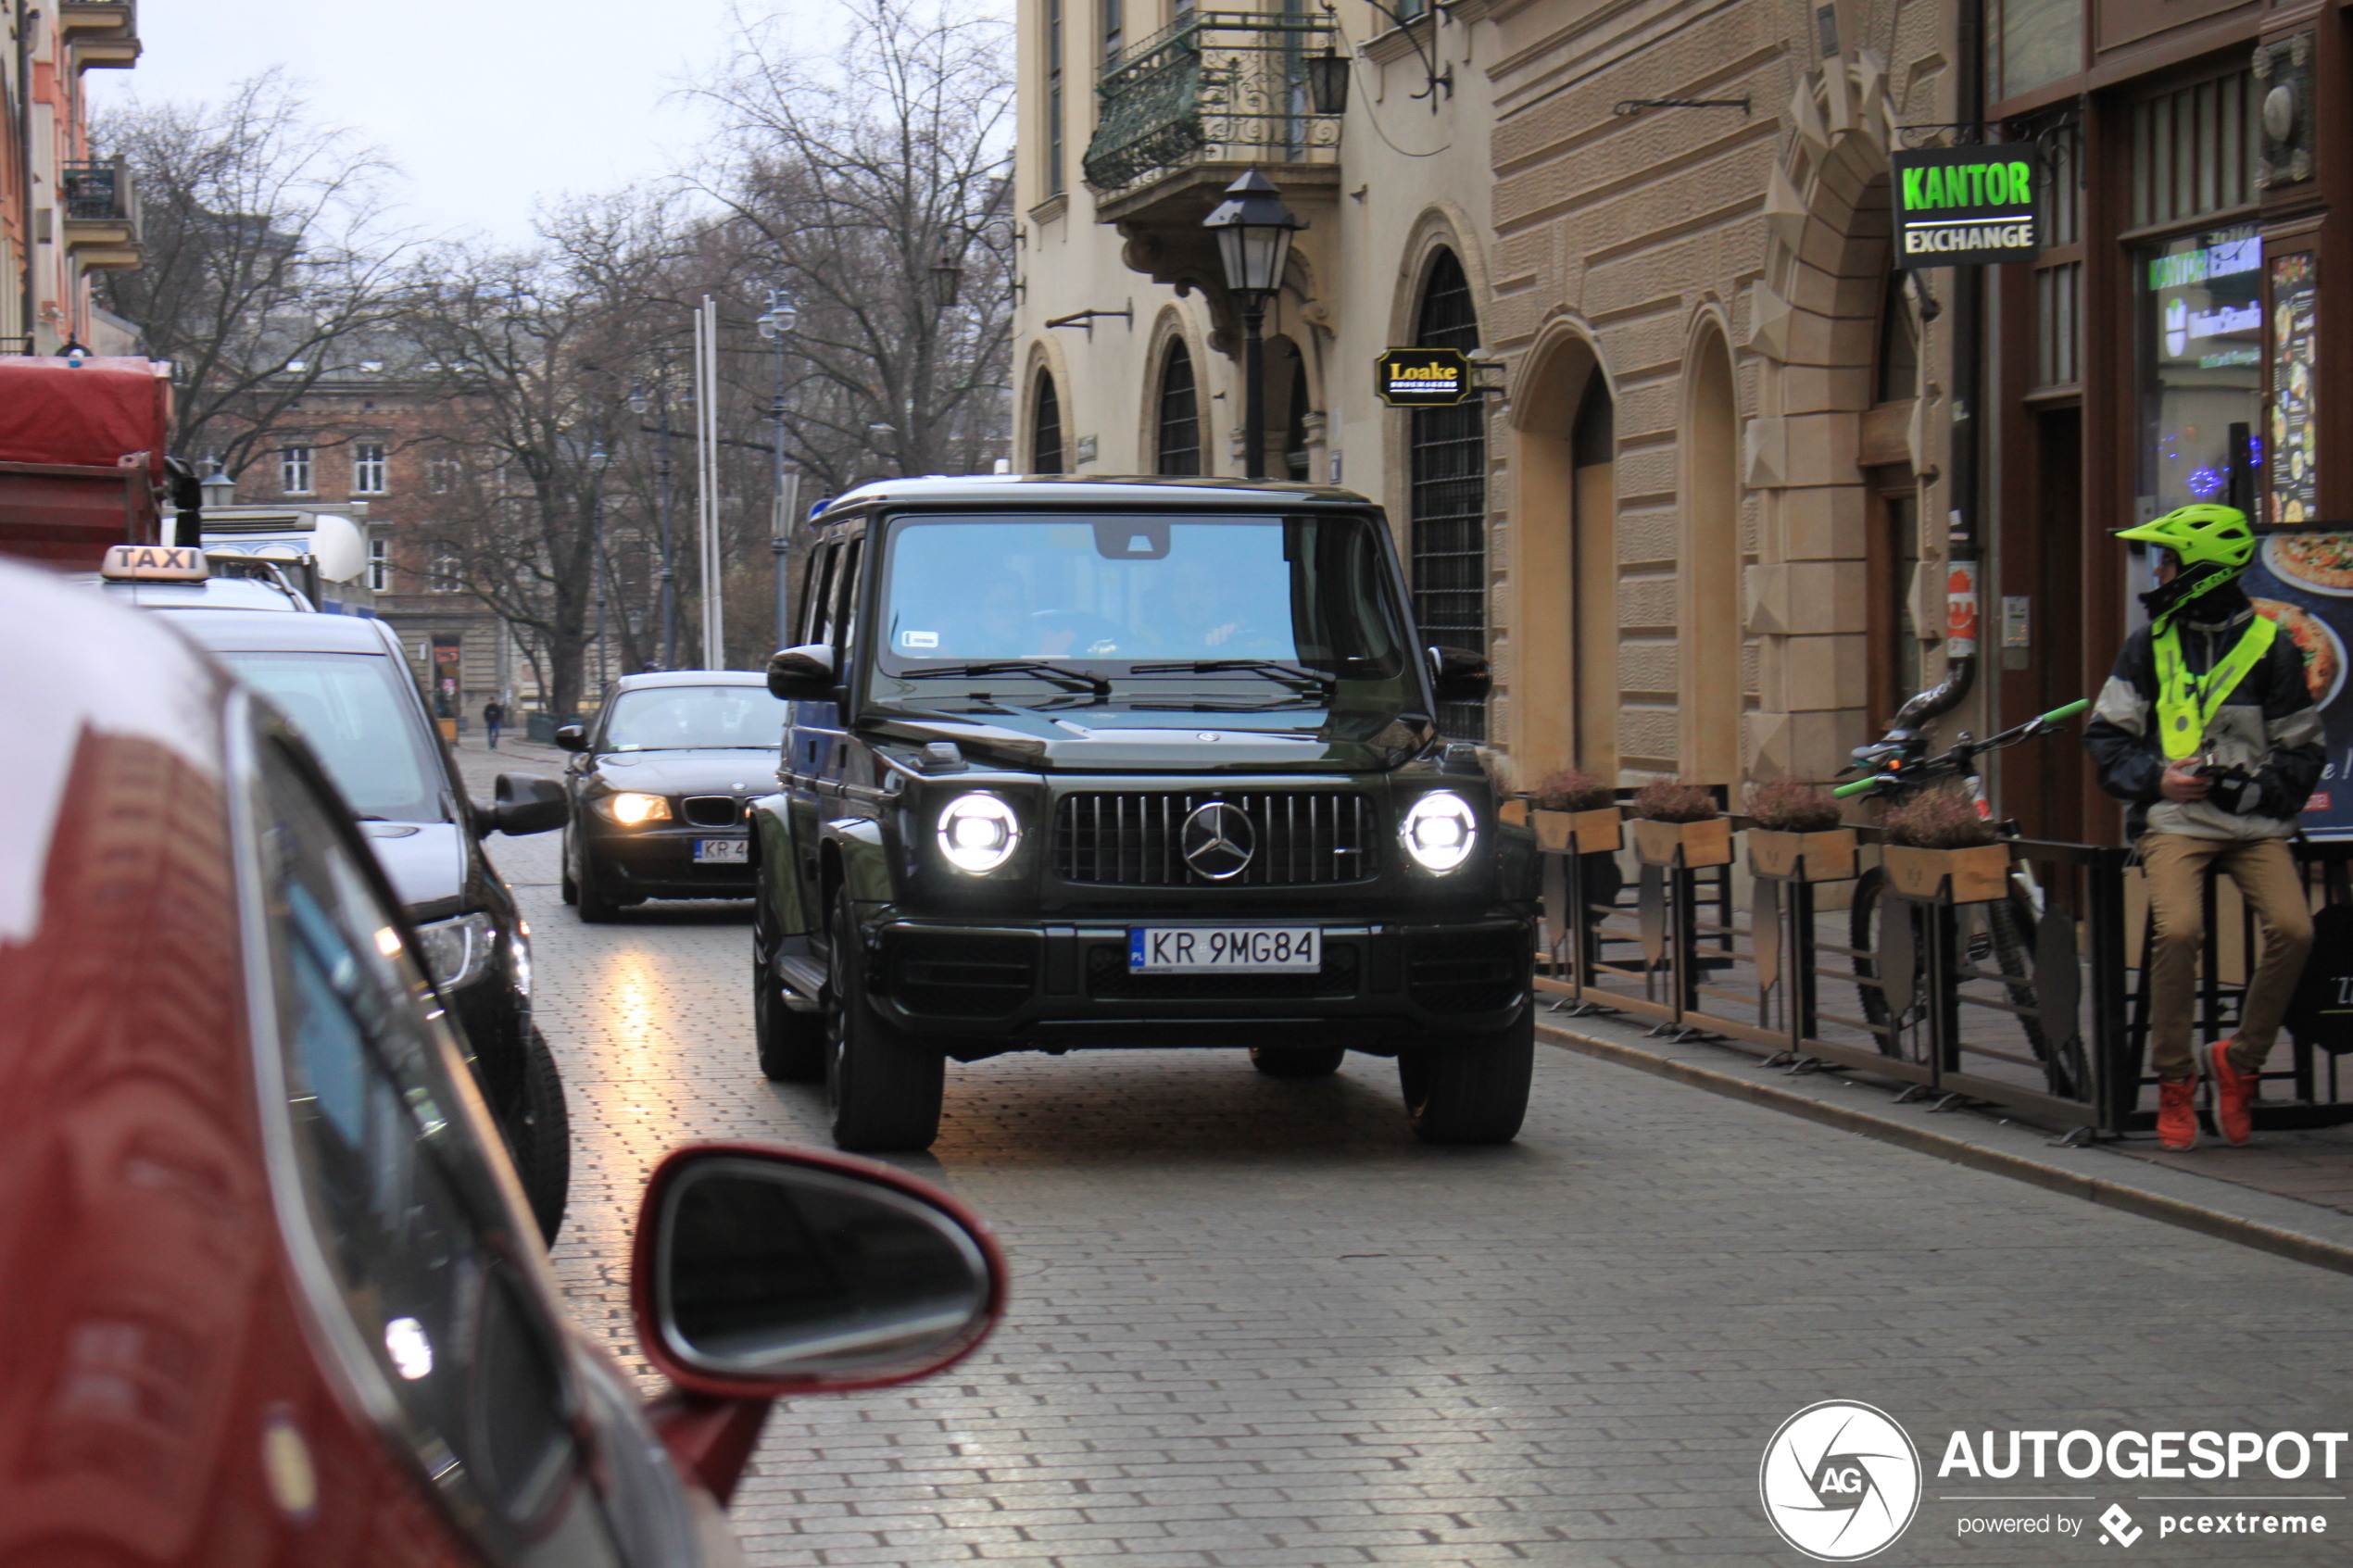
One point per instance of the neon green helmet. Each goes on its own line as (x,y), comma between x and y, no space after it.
(2201,535)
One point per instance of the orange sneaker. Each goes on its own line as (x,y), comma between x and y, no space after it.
(2177,1116)
(2233,1093)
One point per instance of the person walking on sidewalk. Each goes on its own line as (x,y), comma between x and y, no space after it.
(2207,727)
(494,715)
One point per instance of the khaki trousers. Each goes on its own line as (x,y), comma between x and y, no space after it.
(2266,875)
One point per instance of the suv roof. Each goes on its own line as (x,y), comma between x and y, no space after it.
(1098,490)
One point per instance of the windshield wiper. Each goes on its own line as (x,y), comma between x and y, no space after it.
(1274,670)
(1069,680)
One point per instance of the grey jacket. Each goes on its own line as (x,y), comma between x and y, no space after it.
(2268,726)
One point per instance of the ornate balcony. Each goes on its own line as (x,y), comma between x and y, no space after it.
(1196,104)
(99,203)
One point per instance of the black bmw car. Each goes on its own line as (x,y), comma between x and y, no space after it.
(658,786)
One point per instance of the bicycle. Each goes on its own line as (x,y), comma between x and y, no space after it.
(1899,769)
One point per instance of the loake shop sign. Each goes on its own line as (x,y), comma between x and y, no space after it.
(1423,378)
(1965,206)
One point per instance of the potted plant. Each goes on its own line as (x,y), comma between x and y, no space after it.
(1573,810)
(1672,819)
(1939,847)
(1794,834)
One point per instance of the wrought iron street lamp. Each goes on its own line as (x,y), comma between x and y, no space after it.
(1253,229)
(1327,80)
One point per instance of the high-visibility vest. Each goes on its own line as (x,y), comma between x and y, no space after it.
(2185,703)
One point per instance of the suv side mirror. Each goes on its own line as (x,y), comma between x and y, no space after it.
(802,674)
(528,804)
(571,737)
(1456,676)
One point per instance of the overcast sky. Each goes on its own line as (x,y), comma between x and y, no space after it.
(489,106)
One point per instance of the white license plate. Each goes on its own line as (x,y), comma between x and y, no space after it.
(722,851)
(1232,949)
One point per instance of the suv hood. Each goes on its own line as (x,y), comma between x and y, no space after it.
(1105,738)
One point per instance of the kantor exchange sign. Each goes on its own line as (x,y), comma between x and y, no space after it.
(1965,206)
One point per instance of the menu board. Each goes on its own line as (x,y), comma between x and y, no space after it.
(2294,462)
(2304,582)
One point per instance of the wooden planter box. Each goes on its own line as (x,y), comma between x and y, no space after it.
(1516,812)
(1977,875)
(1827,856)
(1587,833)
(1703,843)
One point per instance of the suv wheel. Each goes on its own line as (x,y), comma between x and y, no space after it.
(1298,1061)
(882,1088)
(539,1136)
(1470,1088)
(791,1044)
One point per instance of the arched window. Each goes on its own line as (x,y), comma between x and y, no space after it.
(1179,443)
(1450,496)
(1046,429)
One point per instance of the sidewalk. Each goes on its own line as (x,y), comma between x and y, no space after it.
(2287,1193)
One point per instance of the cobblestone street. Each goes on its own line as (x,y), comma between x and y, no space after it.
(1254,1323)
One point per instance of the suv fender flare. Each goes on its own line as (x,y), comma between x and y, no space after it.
(772,851)
(851,854)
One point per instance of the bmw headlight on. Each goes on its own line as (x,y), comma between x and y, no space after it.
(455,951)
(631,809)
(978,833)
(1438,831)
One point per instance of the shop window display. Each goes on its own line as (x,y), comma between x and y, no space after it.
(2201,355)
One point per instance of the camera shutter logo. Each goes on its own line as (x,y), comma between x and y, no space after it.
(1840,1481)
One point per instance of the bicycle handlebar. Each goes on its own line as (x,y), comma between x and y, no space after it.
(1960,754)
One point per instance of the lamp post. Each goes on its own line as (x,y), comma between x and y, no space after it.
(659,401)
(776,326)
(598,458)
(1253,229)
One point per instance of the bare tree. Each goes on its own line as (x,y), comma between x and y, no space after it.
(270,261)
(867,184)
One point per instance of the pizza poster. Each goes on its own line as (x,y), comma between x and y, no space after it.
(2304,582)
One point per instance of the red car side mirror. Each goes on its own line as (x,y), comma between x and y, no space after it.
(761,1270)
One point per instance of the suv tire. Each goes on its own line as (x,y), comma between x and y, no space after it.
(1298,1061)
(1470,1088)
(882,1088)
(539,1136)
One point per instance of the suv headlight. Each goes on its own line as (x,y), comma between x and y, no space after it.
(633,809)
(978,833)
(455,951)
(1438,831)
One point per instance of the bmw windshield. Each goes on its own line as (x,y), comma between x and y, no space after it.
(1297,607)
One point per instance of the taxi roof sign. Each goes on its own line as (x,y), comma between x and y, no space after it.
(154,563)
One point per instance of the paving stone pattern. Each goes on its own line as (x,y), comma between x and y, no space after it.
(1254,1324)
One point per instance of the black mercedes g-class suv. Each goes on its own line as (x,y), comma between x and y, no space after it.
(1105,762)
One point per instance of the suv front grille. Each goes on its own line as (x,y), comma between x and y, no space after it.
(709,810)
(1136,839)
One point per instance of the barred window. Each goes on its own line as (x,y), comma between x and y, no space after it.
(1179,443)
(1046,429)
(1449,498)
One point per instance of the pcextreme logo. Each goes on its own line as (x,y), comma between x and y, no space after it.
(1840,1481)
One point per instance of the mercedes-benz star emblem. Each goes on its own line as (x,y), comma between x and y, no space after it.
(1219,840)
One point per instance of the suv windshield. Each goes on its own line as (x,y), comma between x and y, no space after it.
(1141,589)
(694,718)
(351,709)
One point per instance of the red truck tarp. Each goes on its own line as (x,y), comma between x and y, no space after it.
(81,451)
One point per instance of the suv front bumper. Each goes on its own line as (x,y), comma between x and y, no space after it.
(1054,985)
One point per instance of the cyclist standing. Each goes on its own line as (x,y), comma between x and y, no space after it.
(2207,726)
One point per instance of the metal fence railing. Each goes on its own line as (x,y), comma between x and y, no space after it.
(2011,976)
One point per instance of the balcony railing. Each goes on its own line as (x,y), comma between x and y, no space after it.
(99,193)
(1217,87)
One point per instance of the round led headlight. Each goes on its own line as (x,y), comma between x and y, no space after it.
(978,833)
(1438,831)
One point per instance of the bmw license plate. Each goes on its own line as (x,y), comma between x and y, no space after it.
(722,851)
(1231,950)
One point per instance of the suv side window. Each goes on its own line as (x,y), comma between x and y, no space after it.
(422,1246)
(816,595)
(846,616)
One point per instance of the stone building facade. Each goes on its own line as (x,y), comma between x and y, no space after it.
(1701,526)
